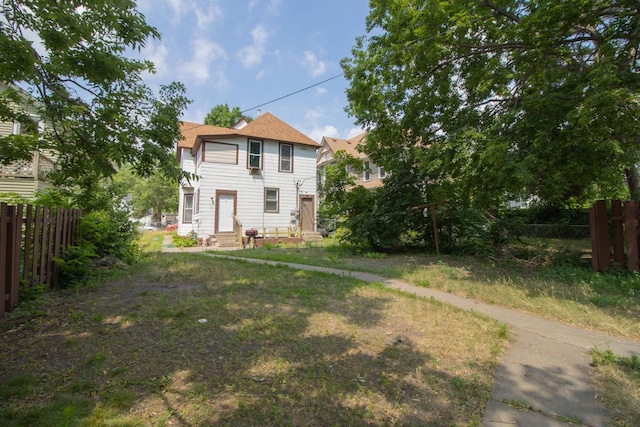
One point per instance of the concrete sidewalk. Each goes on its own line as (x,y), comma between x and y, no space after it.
(545,371)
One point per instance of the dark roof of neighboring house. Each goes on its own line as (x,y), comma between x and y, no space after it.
(267,126)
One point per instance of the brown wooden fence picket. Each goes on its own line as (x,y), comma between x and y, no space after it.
(30,238)
(614,236)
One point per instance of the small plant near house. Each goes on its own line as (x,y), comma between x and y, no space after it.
(185,241)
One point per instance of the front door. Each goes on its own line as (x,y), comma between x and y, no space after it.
(307,213)
(225,212)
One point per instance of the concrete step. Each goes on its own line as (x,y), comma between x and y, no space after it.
(226,240)
(311,236)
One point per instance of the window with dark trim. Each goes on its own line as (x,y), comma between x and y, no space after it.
(254,159)
(366,171)
(187,208)
(286,158)
(272,200)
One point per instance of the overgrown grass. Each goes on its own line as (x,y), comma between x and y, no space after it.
(549,278)
(151,241)
(184,339)
(619,379)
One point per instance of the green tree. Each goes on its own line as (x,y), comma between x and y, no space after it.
(336,183)
(70,57)
(155,194)
(379,219)
(505,98)
(222,116)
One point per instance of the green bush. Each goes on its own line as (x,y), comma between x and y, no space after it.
(185,241)
(111,234)
(75,264)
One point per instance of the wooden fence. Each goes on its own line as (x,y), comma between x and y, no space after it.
(614,234)
(30,238)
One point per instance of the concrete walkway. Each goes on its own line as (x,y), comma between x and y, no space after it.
(546,368)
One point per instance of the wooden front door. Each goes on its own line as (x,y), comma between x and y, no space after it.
(225,211)
(307,213)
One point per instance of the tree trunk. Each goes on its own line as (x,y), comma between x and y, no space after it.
(633,182)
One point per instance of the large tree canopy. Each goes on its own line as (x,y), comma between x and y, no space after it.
(503,97)
(222,115)
(70,57)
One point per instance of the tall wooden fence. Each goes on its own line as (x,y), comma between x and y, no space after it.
(614,234)
(30,238)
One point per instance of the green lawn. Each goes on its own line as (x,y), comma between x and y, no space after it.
(183,339)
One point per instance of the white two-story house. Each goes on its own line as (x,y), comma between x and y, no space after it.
(258,175)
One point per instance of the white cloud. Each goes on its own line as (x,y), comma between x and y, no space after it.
(354,132)
(319,131)
(315,66)
(205,19)
(272,6)
(157,53)
(259,35)
(252,55)
(203,12)
(205,53)
(321,91)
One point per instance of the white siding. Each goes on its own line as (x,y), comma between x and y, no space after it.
(250,188)
(187,163)
(23,187)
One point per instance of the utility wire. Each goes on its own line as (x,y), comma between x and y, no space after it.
(292,93)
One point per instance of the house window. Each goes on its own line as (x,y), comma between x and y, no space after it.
(381,172)
(20,128)
(271,200)
(286,158)
(187,208)
(219,152)
(366,171)
(197,201)
(255,154)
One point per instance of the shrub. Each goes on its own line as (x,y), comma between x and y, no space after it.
(111,234)
(185,241)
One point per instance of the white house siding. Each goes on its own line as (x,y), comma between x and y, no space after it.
(187,164)
(23,187)
(250,189)
(6,128)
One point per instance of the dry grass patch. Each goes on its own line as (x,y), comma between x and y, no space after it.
(279,347)
(546,278)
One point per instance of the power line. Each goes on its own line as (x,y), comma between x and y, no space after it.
(292,93)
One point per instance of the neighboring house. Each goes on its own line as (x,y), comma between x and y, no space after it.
(372,175)
(25,177)
(258,175)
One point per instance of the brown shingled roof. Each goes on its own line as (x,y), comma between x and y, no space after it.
(350,146)
(267,126)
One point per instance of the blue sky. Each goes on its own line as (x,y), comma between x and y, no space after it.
(249,52)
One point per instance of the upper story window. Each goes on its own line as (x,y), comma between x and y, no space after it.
(219,152)
(28,127)
(381,172)
(286,158)
(366,171)
(255,154)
